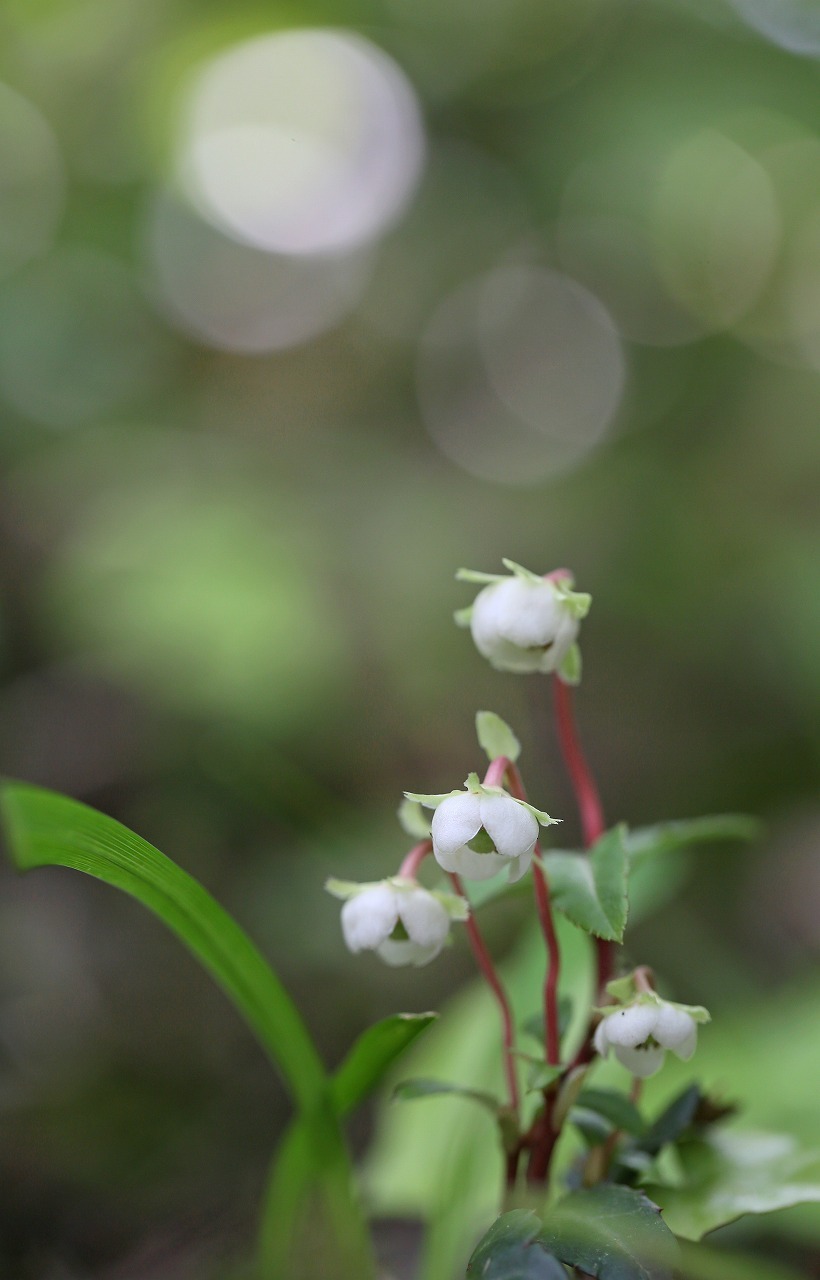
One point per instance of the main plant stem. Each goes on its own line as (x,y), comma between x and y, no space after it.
(588,800)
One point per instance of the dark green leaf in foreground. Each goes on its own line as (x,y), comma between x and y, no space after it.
(727,1175)
(411,1089)
(512,1250)
(613,1233)
(614,1107)
(673,1121)
(590,889)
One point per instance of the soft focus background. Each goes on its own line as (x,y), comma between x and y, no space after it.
(302,307)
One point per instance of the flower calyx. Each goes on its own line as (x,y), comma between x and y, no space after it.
(641,1029)
(398,918)
(482,830)
(525,623)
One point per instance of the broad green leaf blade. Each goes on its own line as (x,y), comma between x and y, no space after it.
(495,736)
(46,829)
(665,837)
(408,1090)
(702,1263)
(372,1055)
(294,1175)
(612,1233)
(674,1120)
(728,1175)
(591,889)
(511,1250)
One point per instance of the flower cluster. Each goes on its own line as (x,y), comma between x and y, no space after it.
(397,918)
(640,1032)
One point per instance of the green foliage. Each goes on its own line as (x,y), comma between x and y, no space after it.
(495,736)
(372,1054)
(407,1090)
(726,1175)
(614,1107)
(591,890)
(613,1233)
(511,1250)
(666,837)
(45,829)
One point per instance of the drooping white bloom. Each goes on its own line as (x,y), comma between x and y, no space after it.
(640,1033)
(526,623)
(397,918)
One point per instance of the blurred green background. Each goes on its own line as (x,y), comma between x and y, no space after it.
(301,308)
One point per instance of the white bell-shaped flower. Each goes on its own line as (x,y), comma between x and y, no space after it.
(640,1033)
(526,623)
(478,834)
(397,918)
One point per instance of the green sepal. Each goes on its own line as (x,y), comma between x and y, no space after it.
(577,603)
(431,801)
(412,819)
(495,737)
(570,670)
(541,817)
(463,617)
(472,783)
(696,1011)
(473,575)
(526,575)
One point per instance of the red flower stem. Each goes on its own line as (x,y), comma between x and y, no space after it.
(544,907)
(494,777)
(593,824)
(409,867)
(485,963)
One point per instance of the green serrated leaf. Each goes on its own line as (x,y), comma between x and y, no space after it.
(591,889)
(413,820)
(495,736)
(665,837)
(614,1107)
(408,1090)
(511,1250)
(612,1233)
(728,1175)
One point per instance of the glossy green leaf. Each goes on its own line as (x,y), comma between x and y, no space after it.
(590,889)
(511,1250)
(613,1233)
(408,1090)
(46,829)
(665,837)
(729,1174)
(495,737)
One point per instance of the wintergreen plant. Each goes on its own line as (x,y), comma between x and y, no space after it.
(589,1183)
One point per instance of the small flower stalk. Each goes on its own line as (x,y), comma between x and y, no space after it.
(404,923)
(483,830)
(525,623)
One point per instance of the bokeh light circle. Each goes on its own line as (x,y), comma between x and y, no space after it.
(237,298)
(303,141)
(520,374)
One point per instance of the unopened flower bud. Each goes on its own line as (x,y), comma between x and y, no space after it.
(526,623)
(397,918)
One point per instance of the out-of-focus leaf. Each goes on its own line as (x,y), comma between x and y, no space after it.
(407,1090)
(728,1175)
(665,837)
(701,1263)
(613,1233)
(511,1250)
(495,736)
(673,1121)
(591,888)
(614,1107)
(372,1054)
